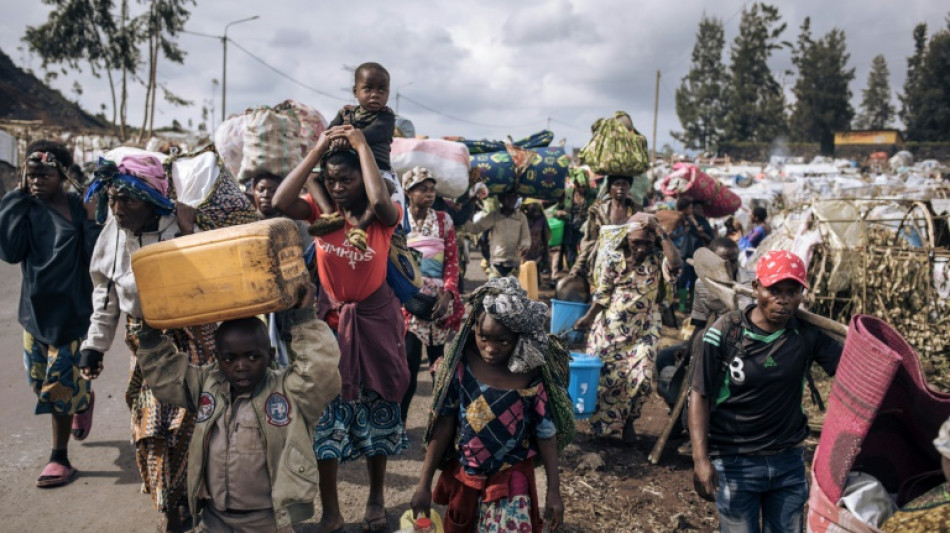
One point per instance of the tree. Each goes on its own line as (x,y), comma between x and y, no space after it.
(76,32)
(822,92)
(667,152)
(699,99)
(127,57)
(162,22)
(81,32)
(926,102)
(754,100)
(877,111)
(911,100)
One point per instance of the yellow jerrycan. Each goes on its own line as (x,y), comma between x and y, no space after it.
(223,274)
(410,523)
(528,277)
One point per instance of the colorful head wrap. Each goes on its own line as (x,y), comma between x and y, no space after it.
(505,301)
(48,159)
(139,176)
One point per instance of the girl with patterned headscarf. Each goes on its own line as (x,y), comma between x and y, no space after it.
(135,191)
(499,401)
(625,315)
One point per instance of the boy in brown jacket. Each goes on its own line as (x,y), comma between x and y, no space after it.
(251,465)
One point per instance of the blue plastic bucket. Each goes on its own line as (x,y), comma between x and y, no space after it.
(585,375)
(563,316)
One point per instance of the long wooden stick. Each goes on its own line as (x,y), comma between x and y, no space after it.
(654,456)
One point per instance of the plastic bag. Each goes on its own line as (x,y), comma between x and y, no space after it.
(271,143)
(447,160)
(201,180)
(288,129)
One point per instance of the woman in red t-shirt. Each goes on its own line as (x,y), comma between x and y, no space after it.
(365,420)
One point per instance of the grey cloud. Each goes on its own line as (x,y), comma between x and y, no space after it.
(547,23)
(290,38)
(508,65)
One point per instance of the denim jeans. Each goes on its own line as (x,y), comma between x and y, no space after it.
(773,486)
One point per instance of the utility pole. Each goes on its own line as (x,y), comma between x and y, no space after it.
(656,108)
(224,74)
(224,66)
(549,122)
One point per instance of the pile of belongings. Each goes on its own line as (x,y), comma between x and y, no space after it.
(530,166)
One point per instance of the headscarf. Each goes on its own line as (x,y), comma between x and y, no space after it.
(505,301)
(48,159)
(644,226)
(942,442)
(140,176)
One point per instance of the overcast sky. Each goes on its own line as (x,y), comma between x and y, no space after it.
(480,69)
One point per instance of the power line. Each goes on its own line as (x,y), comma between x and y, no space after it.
(465,121)
(286,76)
(561,122)
(198,33)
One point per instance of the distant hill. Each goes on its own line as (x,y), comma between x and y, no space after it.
(24,97)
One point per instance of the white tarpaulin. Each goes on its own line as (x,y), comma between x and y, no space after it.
(8,152)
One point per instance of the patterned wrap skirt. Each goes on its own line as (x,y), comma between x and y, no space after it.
(362,428)
(161,433)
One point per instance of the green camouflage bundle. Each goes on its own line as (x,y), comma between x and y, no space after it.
(556,375)
(614,150)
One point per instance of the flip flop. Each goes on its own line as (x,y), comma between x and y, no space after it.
(376,525)
(82,422)
(55,475)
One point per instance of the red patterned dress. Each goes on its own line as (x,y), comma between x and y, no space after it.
(435,238)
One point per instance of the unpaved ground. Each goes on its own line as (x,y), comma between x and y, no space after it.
(605,487)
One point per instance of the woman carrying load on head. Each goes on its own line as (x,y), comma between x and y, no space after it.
(432,233)
(614,208)
(135,191)
(625,315)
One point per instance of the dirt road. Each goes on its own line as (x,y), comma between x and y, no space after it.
(106,498)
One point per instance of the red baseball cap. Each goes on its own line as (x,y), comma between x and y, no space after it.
(779,265)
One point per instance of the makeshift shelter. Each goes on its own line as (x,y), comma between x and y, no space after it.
(860,144)
(883,257)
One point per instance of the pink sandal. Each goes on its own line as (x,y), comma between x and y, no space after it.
(55,475)
(82,422)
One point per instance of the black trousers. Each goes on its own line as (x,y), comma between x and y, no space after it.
(414,356)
